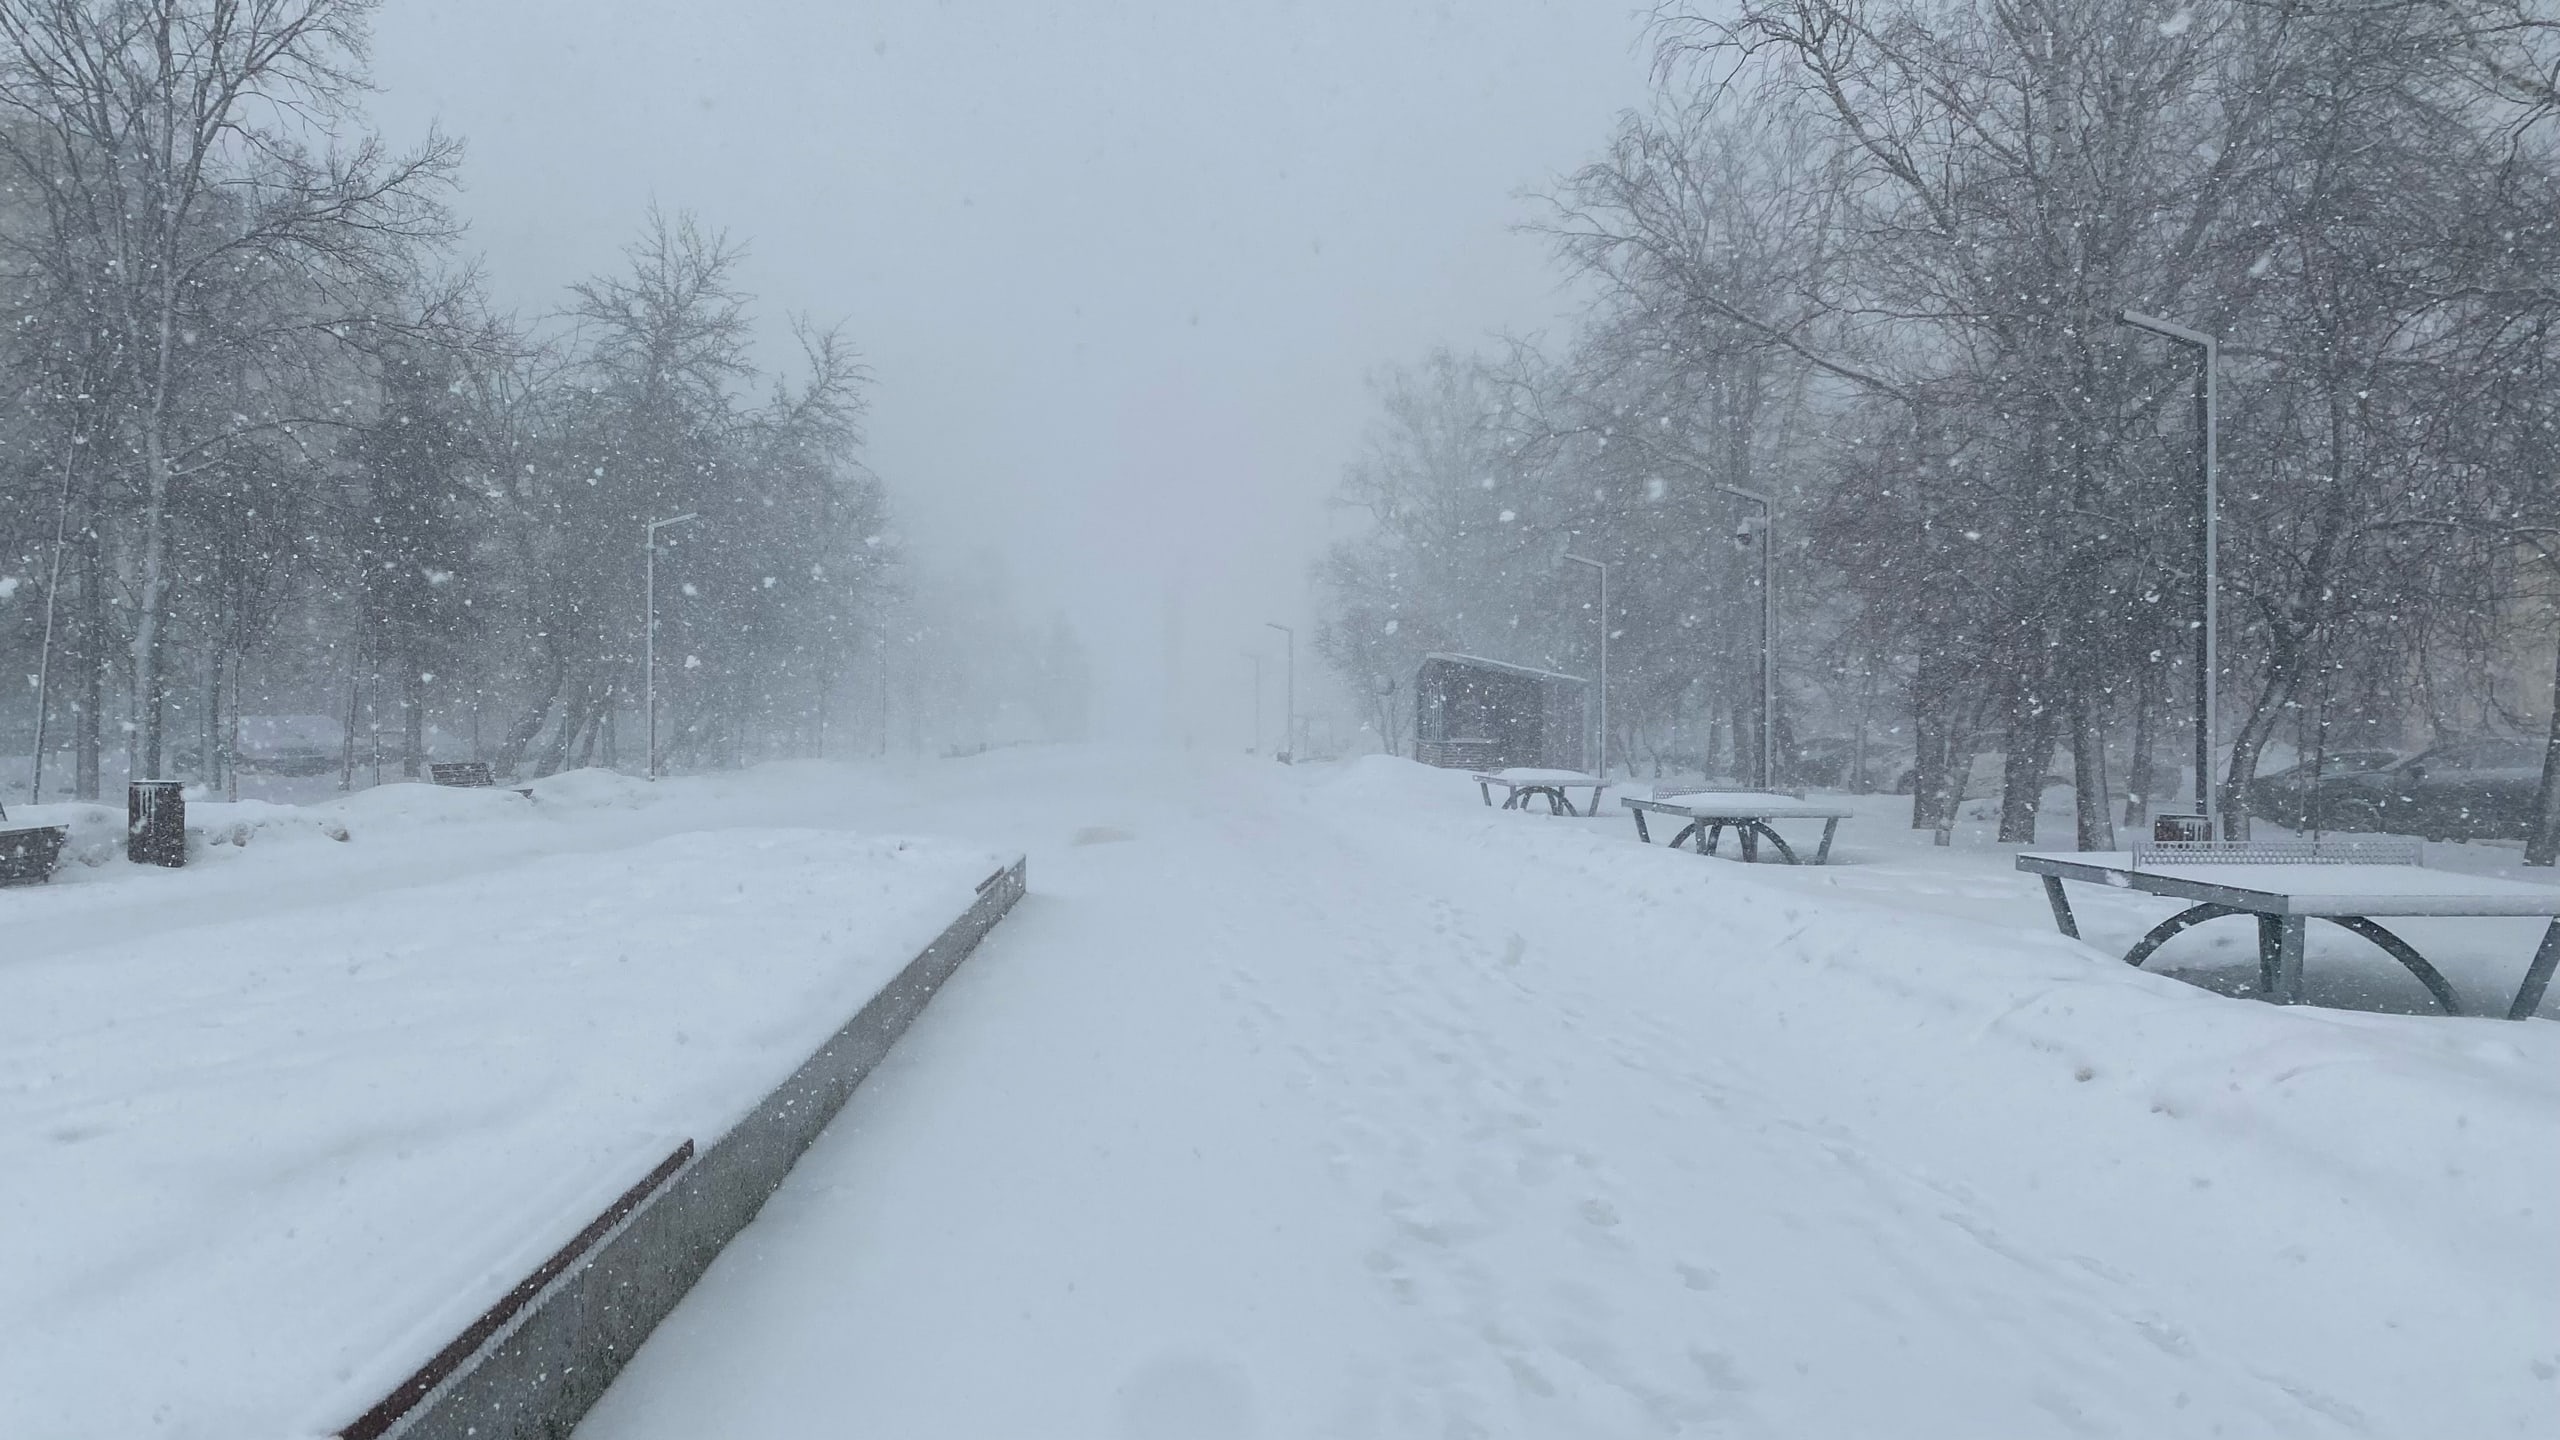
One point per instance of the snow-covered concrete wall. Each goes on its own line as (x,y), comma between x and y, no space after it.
(538,1375)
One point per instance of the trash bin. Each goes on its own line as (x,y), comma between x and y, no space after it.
(155,815)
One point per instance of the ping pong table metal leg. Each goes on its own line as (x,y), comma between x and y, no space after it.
(1749,838)
(1770,834)
(1486,791)
(2546,958)
(2161,933)
(2053,896)
(2404,952)
(1830,828)
(1643,836)
(2280,958)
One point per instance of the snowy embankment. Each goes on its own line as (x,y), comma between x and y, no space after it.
(1340,1104)
(275,1127)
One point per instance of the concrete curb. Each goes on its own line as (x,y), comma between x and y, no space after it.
(543,1365)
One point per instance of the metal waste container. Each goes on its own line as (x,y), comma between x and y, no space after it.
(155,816)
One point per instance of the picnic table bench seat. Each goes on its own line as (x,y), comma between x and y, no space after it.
(1709,813)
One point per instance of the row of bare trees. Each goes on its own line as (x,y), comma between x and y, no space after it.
(1869,256)
(264,444)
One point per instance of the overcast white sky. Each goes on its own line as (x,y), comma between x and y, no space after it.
(1121,268)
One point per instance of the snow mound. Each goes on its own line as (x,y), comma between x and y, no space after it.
(1391,779)
(594,789)
(238,822)
(414,802)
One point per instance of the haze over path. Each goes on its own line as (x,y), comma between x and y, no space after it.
(1121,267)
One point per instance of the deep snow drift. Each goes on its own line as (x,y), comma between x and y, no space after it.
(275,1127)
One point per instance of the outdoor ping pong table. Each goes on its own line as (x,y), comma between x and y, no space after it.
(1748,813)
(1522,783)
(2286,885)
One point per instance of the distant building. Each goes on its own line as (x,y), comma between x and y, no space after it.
(1471,713)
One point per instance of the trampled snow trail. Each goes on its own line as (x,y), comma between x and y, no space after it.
(1303,1107)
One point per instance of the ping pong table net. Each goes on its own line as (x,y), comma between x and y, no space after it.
(2319,850)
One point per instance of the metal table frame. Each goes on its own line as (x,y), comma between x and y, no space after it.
(1522,791)
(2283,919)
(1708,824)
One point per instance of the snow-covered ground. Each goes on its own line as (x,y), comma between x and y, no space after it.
(1314,1101)
(273,1128)
(1329,1102)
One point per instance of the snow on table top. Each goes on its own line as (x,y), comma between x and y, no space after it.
(2348,889)
(1531,775)
(1756,804)
(254,1172)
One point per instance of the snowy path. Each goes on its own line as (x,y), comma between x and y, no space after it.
(1301,1105)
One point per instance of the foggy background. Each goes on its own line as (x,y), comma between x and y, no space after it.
(1119,270)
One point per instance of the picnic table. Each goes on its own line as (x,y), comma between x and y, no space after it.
(2287,884)
(1748,813)
(1523,783)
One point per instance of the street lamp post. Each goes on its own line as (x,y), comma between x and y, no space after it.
(1768,541)
(1256,657)
(2208,567)
(649,632)
(1604,657)
(1289,712)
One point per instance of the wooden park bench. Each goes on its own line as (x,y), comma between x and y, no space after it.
(472,774)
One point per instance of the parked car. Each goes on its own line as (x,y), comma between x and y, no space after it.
(2462,790)
(2286,796)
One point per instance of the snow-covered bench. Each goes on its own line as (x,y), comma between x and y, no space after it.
(28,852)
(1522,783)
(1709,813)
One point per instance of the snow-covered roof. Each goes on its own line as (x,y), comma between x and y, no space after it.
(1505,666)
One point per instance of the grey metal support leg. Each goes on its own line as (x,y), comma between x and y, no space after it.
(2407,954)
(1770,834)
(2546,958)
(2053,896)
(1487,792)
(1750,840)
(1830,828)
(2280,958)
(1643,836)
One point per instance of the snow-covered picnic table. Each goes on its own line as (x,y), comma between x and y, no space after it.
(1522,783)
(1748,813)
(2288,884)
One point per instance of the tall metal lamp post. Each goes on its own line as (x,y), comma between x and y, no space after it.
(649,633)
(1767,538)
(1256,657)
(2208,569)
(1289,713)
(1604,657)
